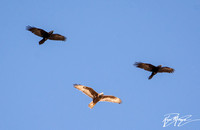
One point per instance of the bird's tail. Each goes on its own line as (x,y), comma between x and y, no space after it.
(151,76)
(92,104)
(42,41)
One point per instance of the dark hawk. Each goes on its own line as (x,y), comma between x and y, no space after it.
(153,69)
(45,35)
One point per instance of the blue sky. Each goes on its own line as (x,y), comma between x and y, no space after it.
(105,39)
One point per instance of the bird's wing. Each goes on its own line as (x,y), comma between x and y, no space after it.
(145,66)
(86,90)
(36,31)
(109,98)
(57,37)
(166,69)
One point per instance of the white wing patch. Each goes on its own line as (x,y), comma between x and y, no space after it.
(113,99)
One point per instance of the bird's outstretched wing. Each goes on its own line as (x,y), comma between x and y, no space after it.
(109,98)
(86,90)
(36,31)
(57,37)
(166,69)
(145,66)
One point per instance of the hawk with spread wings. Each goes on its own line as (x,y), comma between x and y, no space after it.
(45,35)
(153,69)
(96,96)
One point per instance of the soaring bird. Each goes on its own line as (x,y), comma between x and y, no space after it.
(96,96)
(153,69)
(45,35)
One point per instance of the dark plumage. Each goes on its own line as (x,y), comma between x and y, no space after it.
(153,69)
(45,35)
(96,96)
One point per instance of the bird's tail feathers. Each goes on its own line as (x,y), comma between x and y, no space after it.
(151,76)
(42,41)
(92,104)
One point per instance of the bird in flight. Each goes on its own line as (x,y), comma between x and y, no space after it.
(45,35)
(96,96)
(153,69)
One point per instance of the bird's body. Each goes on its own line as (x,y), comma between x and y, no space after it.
(45,35)
(95,100)
(153,69)
(96,96)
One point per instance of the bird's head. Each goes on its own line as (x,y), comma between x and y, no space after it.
(101,94)
(160,66)
(51,32)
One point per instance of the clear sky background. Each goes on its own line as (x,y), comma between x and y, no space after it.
(105,39)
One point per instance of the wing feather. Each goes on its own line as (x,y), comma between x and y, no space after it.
(109,98)
(57,37)
(86,90)
(145,66)
(166,69)
(37,31)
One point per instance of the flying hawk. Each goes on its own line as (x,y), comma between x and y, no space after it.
(96,96)
(153,69)
(45,35)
